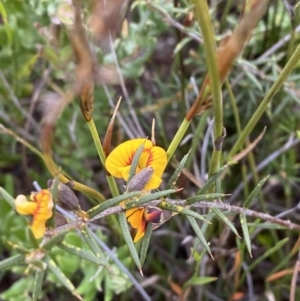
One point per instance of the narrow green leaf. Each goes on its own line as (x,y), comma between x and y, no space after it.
(279,245)
(11,261)
(266,226)
(181,210)
(8,198)
(223,217)
(173,180)
(209,217)
(18,248)
(81,253)
(37,285)
(111,202)
(199,281)
(204,227)
(86,233)
(181,44)
(61,277)
(55,239)
(129,242)
(145,242)
(135,162)
(245,229)
(255,192)
(210,182)
(199,234)
(203,197)
(148,198)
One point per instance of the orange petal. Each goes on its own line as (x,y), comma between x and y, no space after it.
(122,156)
(141,231)
(136,218)
(130,211)
(45,205)
(23,206)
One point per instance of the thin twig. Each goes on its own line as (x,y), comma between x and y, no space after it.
(217,204)
(175,24)
(126,125)
(289,144)
(276,46)
(294,281)
(15,100)
(125,92)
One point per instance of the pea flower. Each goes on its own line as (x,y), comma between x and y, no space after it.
(40,208)
(139,217)
(119,161)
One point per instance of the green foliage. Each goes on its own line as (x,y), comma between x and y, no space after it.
(158,55)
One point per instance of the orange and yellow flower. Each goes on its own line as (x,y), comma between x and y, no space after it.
(40,208)
(119,161)
(118,164)
(139,217)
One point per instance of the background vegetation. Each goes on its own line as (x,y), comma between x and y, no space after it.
(157,64)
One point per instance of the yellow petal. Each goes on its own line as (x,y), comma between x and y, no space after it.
(38,228)
(123,154)
(153,183)
(158,160)
(144,158)
(23,206)
(125,172)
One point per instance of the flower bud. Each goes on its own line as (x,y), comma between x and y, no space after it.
(66,198)
(140,180)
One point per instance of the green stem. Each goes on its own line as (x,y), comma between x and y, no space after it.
(177,138)
(110,180)
(204,21)
(239,130)
(291,64)
(225,14)
(196,138)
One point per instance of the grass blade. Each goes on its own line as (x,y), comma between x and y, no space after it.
(279,245)
(223,217)
(86,233)
(127,237)
(64,280)
(37,285)
(81,253)
(255,192)
(11,261)
(145,242)
(211,181)
(246,234)
(173,180)
(8,198)
(203,197)
(199,234)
